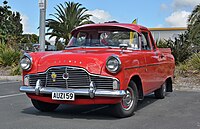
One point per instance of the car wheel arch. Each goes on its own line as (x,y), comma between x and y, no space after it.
(138,81)
(169,84)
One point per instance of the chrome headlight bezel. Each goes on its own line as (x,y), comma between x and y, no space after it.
(26,62)
(116,62)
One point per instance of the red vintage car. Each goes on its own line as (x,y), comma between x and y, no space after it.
(110,63)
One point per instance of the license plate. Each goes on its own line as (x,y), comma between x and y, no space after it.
(63,96)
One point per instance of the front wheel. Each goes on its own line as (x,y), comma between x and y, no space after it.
(128,103)
(43,106)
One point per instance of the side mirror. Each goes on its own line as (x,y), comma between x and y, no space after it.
(123,46)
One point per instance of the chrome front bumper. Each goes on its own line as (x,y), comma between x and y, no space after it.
(84,92)
(92,91)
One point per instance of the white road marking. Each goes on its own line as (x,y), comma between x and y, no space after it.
(8,82)
(96,109)
(12,95)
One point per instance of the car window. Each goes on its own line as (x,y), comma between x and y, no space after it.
(120,37)
(105,37)
(79,40)
(152,42)
(145,41)
(134,40)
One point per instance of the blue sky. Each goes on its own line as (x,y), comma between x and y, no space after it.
(150,13)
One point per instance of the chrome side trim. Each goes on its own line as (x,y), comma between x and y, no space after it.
(84,92)
(133,67)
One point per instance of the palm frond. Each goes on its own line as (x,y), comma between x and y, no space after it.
(68,16)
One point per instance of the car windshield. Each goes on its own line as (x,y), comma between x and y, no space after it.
(105,38)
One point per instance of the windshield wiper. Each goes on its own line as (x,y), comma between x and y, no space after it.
(70,46)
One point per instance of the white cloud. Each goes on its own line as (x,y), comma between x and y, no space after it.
(181,11)
(99,16)
(178,4)
(178,19)
(25,23)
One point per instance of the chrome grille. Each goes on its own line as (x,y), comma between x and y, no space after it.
(78,79)
(59,81)
(102,82)
(35,77)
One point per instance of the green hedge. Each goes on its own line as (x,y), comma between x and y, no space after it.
(8,55)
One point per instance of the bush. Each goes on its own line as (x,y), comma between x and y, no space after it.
(162,44)
(182,69)
(181,48)
(16,69)
(191,66)
(194,61)
(8,55)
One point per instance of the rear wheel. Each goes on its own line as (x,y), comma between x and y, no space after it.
(128,103)
(43,106)
(161,92)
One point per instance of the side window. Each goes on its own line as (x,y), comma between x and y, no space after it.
(134,41)
(145,41)
(152,42)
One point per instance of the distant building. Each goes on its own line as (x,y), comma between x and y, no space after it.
(167,33)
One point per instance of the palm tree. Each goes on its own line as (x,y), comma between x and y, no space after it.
(194,24)
(68,16)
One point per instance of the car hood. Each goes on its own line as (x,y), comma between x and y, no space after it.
(92,60)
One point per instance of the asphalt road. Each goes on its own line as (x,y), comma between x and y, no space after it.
(179,110)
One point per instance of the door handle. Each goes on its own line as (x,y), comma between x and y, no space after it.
(162,56)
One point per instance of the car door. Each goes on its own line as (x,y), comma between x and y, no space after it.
(151,76)
(159,59)
(160,68)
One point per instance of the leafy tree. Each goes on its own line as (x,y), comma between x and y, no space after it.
(68,16)
(29,38)
(194,26)
(10,25)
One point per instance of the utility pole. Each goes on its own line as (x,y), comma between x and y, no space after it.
(42,6)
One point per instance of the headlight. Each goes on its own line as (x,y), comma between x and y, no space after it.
(26,62)
(113,64)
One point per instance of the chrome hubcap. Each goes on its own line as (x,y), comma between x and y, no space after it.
(127,101)
(164,89)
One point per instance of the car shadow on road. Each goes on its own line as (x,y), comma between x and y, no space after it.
(148,100)
(100,112)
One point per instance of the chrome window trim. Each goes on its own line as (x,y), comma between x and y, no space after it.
(109,47)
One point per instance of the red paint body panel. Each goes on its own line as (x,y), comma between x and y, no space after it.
(149,65)
(79,101)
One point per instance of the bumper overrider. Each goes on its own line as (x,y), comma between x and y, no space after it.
(91,92)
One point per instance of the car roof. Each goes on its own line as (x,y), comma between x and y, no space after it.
(133,27)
